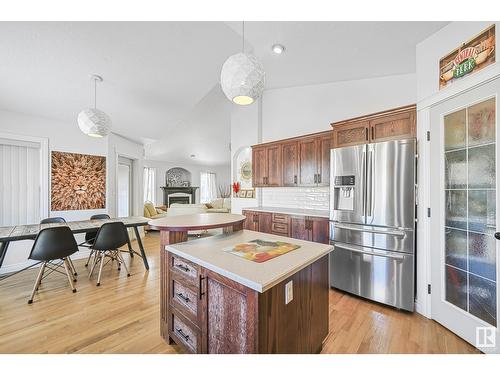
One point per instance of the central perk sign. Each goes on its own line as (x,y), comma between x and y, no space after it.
(473,55)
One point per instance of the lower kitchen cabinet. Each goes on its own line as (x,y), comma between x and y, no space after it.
(307,228)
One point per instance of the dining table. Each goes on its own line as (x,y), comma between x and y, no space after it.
(10,234)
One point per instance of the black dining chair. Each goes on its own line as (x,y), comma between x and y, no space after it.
(56,220)
(90,236)
(110,237)
(52,247)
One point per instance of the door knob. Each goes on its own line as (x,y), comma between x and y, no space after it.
(497,235)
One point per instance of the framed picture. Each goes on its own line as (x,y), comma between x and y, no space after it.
(243,194)
(250,194)
(470,57)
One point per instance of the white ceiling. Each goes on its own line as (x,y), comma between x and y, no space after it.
(161,78)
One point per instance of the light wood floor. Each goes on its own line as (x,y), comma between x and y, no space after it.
(122,316)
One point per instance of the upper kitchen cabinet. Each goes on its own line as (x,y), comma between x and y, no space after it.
(300,161)
(266,165)
(398,123)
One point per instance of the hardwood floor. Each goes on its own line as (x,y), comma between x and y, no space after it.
(122,316)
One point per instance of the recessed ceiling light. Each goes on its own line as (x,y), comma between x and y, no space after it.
(193,155)
(278,49)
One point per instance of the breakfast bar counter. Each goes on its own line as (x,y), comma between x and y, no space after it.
(241,291)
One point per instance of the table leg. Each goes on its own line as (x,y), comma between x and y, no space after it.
(3,250)
(141,248)
(130,250)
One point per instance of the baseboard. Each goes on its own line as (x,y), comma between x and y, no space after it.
(19,266)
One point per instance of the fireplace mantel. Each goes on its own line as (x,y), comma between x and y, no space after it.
(167,190)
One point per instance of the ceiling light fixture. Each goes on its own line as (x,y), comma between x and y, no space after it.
(93,121)
(242,76)
(278,49)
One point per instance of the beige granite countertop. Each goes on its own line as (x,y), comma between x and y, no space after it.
(291,211)
(209,253)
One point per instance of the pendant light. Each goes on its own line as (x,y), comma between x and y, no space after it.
(242,77)
(93,121)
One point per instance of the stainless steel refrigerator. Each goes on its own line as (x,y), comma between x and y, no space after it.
(372,221)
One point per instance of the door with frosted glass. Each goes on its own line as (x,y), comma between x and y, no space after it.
(464,203)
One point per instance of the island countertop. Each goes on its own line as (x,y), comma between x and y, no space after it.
(209,253)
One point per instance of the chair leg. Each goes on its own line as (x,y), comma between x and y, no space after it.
(37,282)
(94,262)
(67,267)
(72,268)
(89,258)
(100,268)
(122,261)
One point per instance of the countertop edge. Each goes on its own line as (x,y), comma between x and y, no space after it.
(248,283)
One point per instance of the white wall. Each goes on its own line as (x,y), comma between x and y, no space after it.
(67,137)
(301,110)
(222,172)
(438,45)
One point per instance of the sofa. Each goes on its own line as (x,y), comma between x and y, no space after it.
(221,205)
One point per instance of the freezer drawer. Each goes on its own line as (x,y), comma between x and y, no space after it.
(384,238)
(382,276)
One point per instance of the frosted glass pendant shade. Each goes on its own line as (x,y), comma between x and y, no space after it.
(94,122)
(242,78)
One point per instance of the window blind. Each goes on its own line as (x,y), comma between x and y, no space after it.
(19,182)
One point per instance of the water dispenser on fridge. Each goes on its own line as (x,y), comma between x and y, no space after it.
(343,191)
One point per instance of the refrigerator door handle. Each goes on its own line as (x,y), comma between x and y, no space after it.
(398,233)
(363,182)
(369,183)
(368,252)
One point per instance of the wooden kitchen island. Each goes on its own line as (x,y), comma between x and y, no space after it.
(213,301)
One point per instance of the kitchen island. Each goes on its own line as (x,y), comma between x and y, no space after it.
(214,301)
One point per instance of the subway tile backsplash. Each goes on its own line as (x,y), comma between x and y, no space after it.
(315,198)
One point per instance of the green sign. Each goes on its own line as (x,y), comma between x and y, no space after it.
(465,67)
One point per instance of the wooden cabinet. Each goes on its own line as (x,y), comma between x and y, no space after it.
(258,221)
(290,155)
(398,123)
(308,228)
(324,147)
(266,165)
(233,318)
(308,162)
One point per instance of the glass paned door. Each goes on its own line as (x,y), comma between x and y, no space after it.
(470,214)
(464,201)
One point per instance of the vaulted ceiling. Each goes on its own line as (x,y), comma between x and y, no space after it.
(161,78)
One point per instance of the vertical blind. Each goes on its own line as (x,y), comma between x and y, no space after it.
(149,185)
(208,188)
(19,182)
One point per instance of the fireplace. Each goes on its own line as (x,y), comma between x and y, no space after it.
(183,198)
(178,194)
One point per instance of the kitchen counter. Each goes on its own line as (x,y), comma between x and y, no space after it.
(209,253)
(291,211)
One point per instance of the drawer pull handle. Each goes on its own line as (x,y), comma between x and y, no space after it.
(200,285)
(183,335)
(182,267)
(183,297)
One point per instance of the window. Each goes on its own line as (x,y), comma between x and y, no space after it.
(20,188)
(149,184)
(208,189)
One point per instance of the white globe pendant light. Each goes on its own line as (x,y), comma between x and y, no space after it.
(93,121)
(242,77)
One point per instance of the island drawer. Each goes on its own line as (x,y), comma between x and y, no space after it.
(184,333)
(279,228)
(184,297)
(181,266)
(280,218)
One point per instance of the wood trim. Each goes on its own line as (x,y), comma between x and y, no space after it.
(373,116)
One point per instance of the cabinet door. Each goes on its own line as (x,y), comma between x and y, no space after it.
(264,222)
(324,146)
(400,126)
(251,223)
(308,165)
(320,229)
(299,228)
(350,134)
(290,163)
(274,165)
(230,316)
(259,166)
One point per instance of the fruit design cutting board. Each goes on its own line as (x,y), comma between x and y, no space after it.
(260,251)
